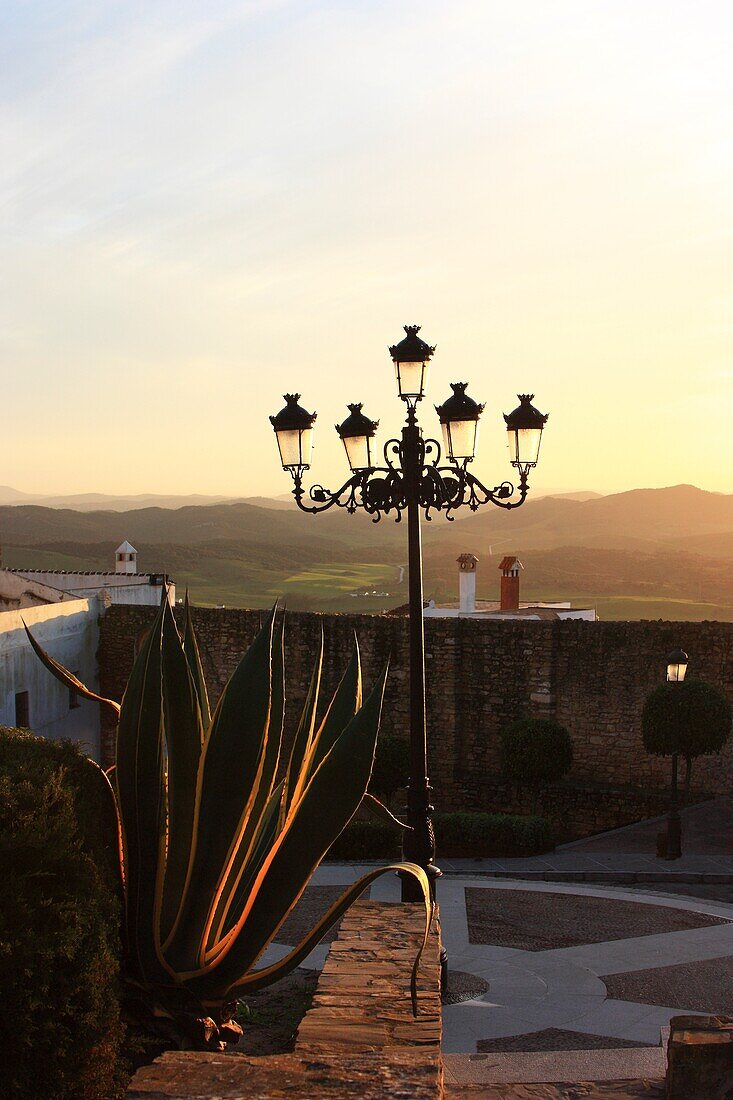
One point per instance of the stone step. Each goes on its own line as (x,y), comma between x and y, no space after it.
(555,1066)
(618,878)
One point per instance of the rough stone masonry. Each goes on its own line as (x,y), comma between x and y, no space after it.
(481,675)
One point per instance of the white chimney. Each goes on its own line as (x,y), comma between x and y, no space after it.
(125,558)
(467,583)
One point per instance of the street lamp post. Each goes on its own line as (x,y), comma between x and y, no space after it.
(677,662)
(412,481)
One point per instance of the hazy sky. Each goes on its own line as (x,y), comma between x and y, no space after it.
(203,205)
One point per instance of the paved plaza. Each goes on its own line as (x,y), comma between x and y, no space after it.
(593,971)
(576,978)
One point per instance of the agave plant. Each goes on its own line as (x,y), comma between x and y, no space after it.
(219,834)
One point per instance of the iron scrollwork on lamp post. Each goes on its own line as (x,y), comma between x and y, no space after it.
(418,476)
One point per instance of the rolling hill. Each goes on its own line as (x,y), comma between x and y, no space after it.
(645,553)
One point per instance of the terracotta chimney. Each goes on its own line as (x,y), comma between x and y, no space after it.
(510,567)
(467,583)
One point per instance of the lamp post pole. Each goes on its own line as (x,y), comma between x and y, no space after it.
(677,662)
(412,480)
(419,842)
(674,827)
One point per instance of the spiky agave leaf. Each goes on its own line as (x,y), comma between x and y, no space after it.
(302,742)
(193,656)
(257,979)
(184,733)
(141,797)
(262,825)
(68,679)
(246,861)
(329,801)
(381,813)
(344,705)
(262,844)
(231,765)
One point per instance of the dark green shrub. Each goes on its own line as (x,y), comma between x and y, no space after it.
(391,769)
(491,835)
(458,835)
(688,719)
(536,752)
(367,840)
(60,1030)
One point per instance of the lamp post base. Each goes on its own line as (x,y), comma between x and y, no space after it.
(411,888)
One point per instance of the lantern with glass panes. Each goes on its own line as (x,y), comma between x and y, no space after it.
(294,433)
(416,476)
(677,663)
(384,489)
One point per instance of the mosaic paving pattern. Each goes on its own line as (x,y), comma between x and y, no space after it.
(464,987)
(704,986)
(554,1038)
(531,921)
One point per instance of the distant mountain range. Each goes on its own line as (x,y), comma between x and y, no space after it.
(92,502)
(643,553)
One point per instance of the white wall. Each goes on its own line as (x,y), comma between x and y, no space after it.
(564,611)
(123,588)
(69,631)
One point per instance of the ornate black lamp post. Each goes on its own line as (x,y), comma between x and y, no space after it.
(677,662)
(412,480)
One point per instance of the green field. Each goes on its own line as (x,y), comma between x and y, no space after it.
(348,586)
(652,607)
(234,582)
(324,586)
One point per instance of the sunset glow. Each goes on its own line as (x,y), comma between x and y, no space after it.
(204,207)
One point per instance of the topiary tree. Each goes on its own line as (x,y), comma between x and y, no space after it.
(687,719)
(535,752)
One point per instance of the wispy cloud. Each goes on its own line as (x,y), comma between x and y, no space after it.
(201,205)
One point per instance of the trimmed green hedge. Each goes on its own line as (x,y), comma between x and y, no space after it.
(490,835)
(60,1029)
(691,718)
(458,835)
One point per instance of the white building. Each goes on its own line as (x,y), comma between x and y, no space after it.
(62,610)
(125,585)
(30,697)
(508,606)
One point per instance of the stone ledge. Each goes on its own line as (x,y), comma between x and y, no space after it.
(362,1001)
(359,1038)
(396,1074)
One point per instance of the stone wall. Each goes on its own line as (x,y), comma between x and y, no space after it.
(574,809)
(593,677)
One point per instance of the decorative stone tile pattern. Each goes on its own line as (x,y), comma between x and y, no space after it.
(703,986)
(530,921)
(463,987)
(554,1038)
